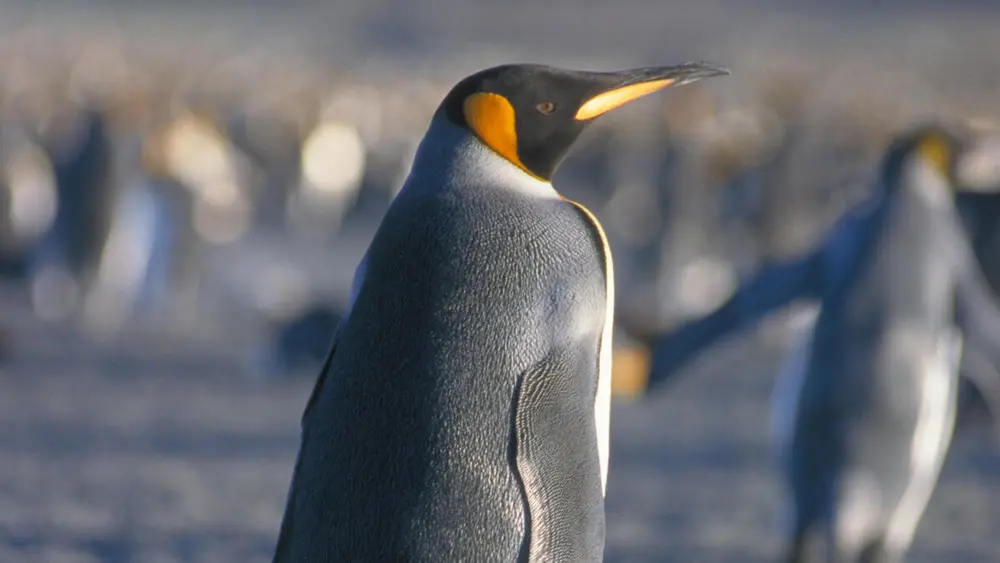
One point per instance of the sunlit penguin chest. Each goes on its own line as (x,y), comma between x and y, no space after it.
(533,262)
(899,267)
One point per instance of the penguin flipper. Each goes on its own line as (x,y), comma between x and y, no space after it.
(281,550)
(979,318)
(555,459)
(318,386)
(775,285)
(985,377)
(978,314)
(356,283)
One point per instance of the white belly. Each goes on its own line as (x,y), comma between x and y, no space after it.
(938,366)
(931,436)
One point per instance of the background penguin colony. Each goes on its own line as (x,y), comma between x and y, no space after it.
(157,207)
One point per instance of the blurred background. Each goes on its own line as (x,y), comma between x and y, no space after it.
(186,189)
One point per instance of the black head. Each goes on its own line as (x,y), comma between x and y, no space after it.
(532,114)
(938,144)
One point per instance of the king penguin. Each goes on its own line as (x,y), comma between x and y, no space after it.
(864,410)
(462,412)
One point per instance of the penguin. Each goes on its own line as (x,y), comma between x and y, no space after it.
(332,170)
(864,410)
(462,411)
(134,274)
(979,212)
(27,197)
(62,265)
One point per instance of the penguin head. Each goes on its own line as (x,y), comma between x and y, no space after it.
(964,156)
(934,144)
(532,114)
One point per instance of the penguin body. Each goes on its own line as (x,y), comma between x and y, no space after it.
(870,425)
(462,413)
(84,188)
(62,264)
(133,273)
(536,324)
(863,411)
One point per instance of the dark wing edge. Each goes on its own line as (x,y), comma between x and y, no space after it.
(281,551)
(321,378)
(555,463)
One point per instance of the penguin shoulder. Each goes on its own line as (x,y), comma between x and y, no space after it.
(451,158)
(846,238)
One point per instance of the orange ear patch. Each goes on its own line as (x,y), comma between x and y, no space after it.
(936,151)
(607,101)
(491,118)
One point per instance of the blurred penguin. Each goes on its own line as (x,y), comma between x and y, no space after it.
(272,141)
(149,234)
(199,155)
(28,198)
(981,214)
(863,412)
(64,262)
(332,169)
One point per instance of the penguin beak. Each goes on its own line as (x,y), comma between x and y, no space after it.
(632,84)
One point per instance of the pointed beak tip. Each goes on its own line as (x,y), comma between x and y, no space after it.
(632,84)
(684,73)
(705,69)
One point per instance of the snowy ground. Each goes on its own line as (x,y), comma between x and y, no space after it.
(162,453)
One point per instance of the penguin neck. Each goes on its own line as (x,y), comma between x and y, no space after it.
(454,154)
(920,181)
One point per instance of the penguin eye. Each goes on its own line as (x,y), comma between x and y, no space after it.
(546,107)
